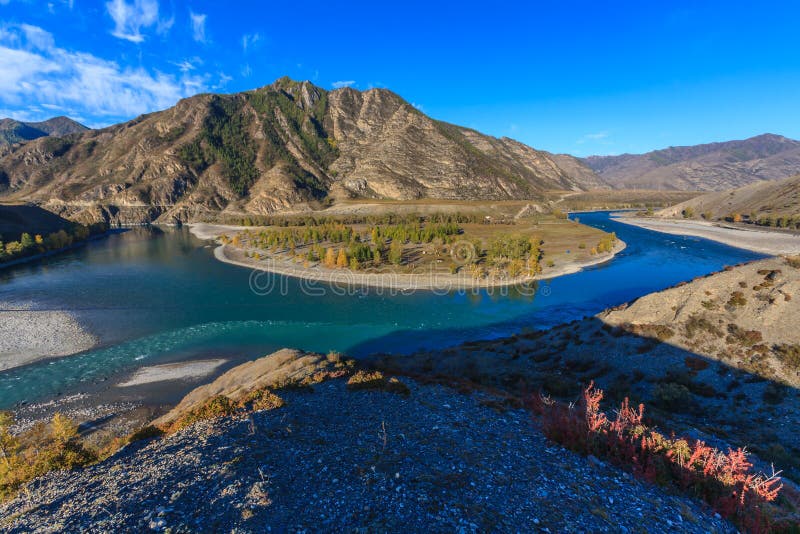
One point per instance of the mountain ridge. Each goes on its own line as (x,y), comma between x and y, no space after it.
(292,146)
(705,167)
(285,146)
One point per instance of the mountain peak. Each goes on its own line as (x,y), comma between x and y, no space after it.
(14,131)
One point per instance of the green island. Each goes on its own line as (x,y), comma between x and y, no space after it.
(473,246)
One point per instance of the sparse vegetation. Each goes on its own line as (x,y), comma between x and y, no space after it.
(29,245)
(788,355)
(737,299)
(375,380)
(43,448)
(722,479)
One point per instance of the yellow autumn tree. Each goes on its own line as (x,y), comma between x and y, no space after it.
(330,258)
(341,259)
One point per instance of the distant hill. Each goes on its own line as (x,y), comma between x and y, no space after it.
(780,198)
(285,146)
(13,131)
(707,167)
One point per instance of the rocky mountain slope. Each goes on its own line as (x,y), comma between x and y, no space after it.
(285,146)
(13,131)
(763,199)
(707,167)
(343,455)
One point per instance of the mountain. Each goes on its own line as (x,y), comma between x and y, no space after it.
(13,131)
(285,146)
(763,199)
(708,167)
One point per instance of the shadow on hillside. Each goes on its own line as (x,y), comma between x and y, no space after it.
(690,394)
(16,219)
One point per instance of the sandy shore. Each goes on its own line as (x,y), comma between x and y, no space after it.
(172,371)
(28,335)
(756,240)
(213,231)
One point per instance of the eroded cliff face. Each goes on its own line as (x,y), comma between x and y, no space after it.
(283,147)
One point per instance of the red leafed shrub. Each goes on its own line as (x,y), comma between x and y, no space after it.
(723,480)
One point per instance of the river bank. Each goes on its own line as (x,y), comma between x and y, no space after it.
(762,241)
(42,255)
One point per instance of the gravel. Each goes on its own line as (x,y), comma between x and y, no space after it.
(28,335)
(334,459)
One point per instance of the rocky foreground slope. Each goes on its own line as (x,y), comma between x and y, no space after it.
(331,454)
(717,359)
(288,145)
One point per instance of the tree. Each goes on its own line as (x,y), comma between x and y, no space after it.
(341,259)
(688,212)
(62,428)
(396,252)
(330,258)
(9,443)
(376,256)
(26,241)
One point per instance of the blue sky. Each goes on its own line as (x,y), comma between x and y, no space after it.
(564,76)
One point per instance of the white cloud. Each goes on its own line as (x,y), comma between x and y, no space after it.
(596,137)
(416,106)
(249,40)
(198,26)
(188,65)
(37,37)
(51,76)
(340,84)
(130,19)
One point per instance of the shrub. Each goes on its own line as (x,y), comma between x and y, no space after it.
(41,449)
(262,399)
(793,261)
(737,299)
(697,323)
(672,397)
(364,380)
(212,408)
(696,364)
(774,393)
(743,337)
(723,480)
(659,331)
(789,355)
